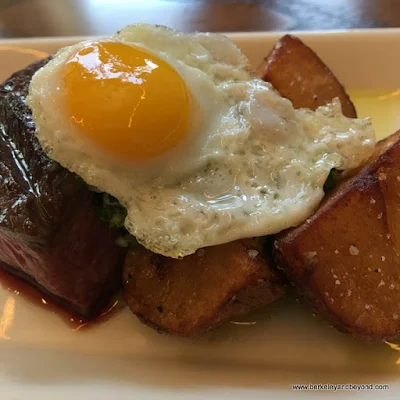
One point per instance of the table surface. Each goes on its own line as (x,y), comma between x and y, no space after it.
(30,18)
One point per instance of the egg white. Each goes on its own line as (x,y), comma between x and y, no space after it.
(251,165)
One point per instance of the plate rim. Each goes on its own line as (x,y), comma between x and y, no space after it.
(359,34)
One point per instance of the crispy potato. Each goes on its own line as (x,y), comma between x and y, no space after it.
(384,145)
(189,296)
(380,148)
(298,74)
(344,260)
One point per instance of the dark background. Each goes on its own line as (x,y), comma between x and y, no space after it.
(29,18)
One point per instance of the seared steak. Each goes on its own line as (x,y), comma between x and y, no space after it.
(49,232)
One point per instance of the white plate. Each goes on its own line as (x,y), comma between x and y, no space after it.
(42,358)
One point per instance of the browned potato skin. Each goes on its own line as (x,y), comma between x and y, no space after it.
(190,296)
(298,74)
(380,148)
(344,260)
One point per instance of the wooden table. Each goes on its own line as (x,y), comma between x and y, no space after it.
(29,18)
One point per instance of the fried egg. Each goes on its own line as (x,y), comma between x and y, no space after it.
(177,128)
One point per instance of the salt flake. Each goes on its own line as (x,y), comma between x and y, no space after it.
(310,254)
(252,253)
(382,176)
(354,250)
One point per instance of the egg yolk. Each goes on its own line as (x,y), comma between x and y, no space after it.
(129,102)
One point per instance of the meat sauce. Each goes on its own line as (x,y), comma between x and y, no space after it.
(31,294)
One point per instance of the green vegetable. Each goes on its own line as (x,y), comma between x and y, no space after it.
(265,243)
(127,240)
(330,182)
(110,210)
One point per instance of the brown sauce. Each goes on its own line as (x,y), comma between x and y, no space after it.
(19,287)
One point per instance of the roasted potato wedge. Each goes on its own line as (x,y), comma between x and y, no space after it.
(189,296)
(298,74)
(344,260)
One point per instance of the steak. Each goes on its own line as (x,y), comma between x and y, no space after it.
(50,234)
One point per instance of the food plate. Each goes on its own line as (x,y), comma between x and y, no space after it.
(263,354)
